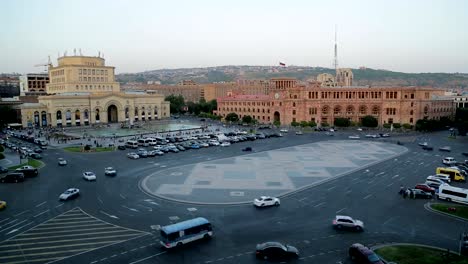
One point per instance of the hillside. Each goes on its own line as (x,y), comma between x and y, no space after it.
(231,73)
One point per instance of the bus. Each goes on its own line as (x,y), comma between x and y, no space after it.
(453,194)
(131,144)
(176,235)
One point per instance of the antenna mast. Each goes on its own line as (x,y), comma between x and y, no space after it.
(335,61)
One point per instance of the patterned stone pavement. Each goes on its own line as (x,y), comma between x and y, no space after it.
(275,173)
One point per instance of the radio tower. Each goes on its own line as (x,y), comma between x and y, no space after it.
(335,61)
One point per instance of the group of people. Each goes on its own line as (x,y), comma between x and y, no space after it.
(406,192)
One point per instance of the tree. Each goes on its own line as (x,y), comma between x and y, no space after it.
(325,124)
(387,125)
(461,121)
(312,124)
(369,121)
(294,124)
(304,124)
(247,119)
(2,148)
(177,102)
(277,123)
(7,115)
(342,122)
(2,156)
(232,117)
(407,126)
(396,125)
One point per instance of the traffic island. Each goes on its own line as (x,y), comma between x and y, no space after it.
(460,211)
(31,162)
(83,149)
(410,254)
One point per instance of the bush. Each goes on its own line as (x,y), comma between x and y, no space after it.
(407,126)
(2,156)
(387,125)
(247,119)
(233,117)
(353,123)
(2,148)
(370,121)
(277,123)
(294,124)
(312,124)
(87,147)
(396,125)
(304,124)
(342,122)
(325,124)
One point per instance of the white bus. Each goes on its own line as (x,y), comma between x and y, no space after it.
(453,194)
(152,141)
(144,142)
(184,232)
(131,144)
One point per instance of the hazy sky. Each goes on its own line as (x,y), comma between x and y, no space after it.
(399,35)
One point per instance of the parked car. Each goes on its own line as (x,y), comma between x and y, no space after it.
(361,254)
(347,222)
(354,137)
(427,148)
(3,205)
(276,251)
(284,130)
(3,169)
(449,161)
(225,144)
(195,146)
(417,193)
(121,147)
(38,150)
(422,144)
(445,148)
(181,148)
(110,171)
(89,176)
(62,162)
(372,136)
(28,171)
(142,153)
(12,177)
(425,188)
(35,156)
(299,133)
(264,201)
(247,149)
(443,177)
(69,194)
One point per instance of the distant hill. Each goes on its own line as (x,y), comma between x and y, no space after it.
(231,73)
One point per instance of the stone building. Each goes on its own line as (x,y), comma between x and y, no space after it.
(9,87)
(288,101)
(33,84)
(83,91)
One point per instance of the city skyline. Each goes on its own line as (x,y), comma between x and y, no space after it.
(144,35)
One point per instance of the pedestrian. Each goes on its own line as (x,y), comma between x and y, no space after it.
(405,193)
(402,189)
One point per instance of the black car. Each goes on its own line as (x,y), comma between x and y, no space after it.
(28,171)
(247,149)
(121,147)
(36,156)
(363,255)
(3,170)
(38,150)
(13,177)
(427,148)
(276,251)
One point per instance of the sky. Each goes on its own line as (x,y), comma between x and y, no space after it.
(140,35)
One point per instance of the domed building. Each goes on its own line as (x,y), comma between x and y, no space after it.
(82,90)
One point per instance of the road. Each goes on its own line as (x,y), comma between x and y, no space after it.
(113,221)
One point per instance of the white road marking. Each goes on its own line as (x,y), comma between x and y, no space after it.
(111,216)
(395,176)
(16,229)
(368,196)
(302,199)
(390,184)
(342,209)
(322,203)
(100,200)
(59,205)
(131,209)
(123,197)
(4,220)
(41,213)
(41,204)
(331,188)
(21,213)
(13,225)
(380,173)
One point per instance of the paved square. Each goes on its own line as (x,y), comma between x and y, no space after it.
(274,172)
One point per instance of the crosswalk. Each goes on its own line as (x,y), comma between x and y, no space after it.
(68,234)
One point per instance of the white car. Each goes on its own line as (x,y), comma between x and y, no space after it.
(354,137)
(284,130)
(110,171)
(449,161)
(225,144)
(359,129)
(213,143)
(372,136)
(62,162)
(299,133)
(347,222)
(69,194)
(204,145)
(133,155)
(264,201)
(89,176)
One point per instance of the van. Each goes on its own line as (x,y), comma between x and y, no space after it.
(152,141)
(131,144)
(143,142)
(444,177)
(434,183)
(455,175)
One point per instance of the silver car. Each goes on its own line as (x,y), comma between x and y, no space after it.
(347,222)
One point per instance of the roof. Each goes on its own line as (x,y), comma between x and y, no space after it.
(344,217)
(270,244)
(246,97)
(184,225)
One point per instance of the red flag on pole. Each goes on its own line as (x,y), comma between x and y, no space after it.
(282,64)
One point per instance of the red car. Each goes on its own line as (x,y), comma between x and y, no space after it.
(363,255)
(425,187)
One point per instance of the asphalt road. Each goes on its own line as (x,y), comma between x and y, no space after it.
(113,221)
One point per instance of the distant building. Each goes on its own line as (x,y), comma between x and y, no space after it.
(9,87)
(344,77)
(326,80)
(33,83)
(288,101)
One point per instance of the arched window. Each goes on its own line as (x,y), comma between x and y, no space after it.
(98,117)
(126,112)
(68,115)
(337,110)
(350,110)
(363,110)
(375,110)
(59,115)
(325,110)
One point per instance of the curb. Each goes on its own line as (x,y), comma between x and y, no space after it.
(428,207)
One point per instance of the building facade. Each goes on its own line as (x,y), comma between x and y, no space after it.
(9,87)
(33,84)
(288,101)
(82,91)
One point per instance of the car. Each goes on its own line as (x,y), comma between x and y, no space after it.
(424,187)
(38,150)
(121,147)
(133,155)
(69,194)
(225,144)
(262,136)
(213,143)
(422,144)
(247,149)
(142,153)
(195,146)
(444,177)
(372,136)
(152,153)
(331,134)
(264,201)
(284,130)
(385,135)
(354,137)
(181,148)
(417,193)
(159,153)
(299,133)
(28,171)
(110,171)
(62,162)
(449,161)
(276,251)
(43,147)
(3,205)
(433,182)
(347,222)
(362,254)
(35,156)
(204,145)
(445,148)
(13,177)
(427,147)
(89,176)
(174,149)
(3,169)
(359,129)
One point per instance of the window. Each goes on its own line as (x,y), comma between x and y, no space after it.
(294,112)
(411,120)
(80,71)
(294,104)
(412,96)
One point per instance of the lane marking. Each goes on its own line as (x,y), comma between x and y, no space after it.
(322,203)
(4,220)
(13,225)
(111,216)
(65,231)
(155,255)
(100,200)
(380,173)
(342,209)
(59,205)
(9,222)
(21,213)
(41,213)
(46,253)
(331,188)
(41,204)
(61,246)
(16,229)
(123,197)
(61,241)
(76,235)
(390,184)
(73,226)
(367,196)
(395,176)
(131,209)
